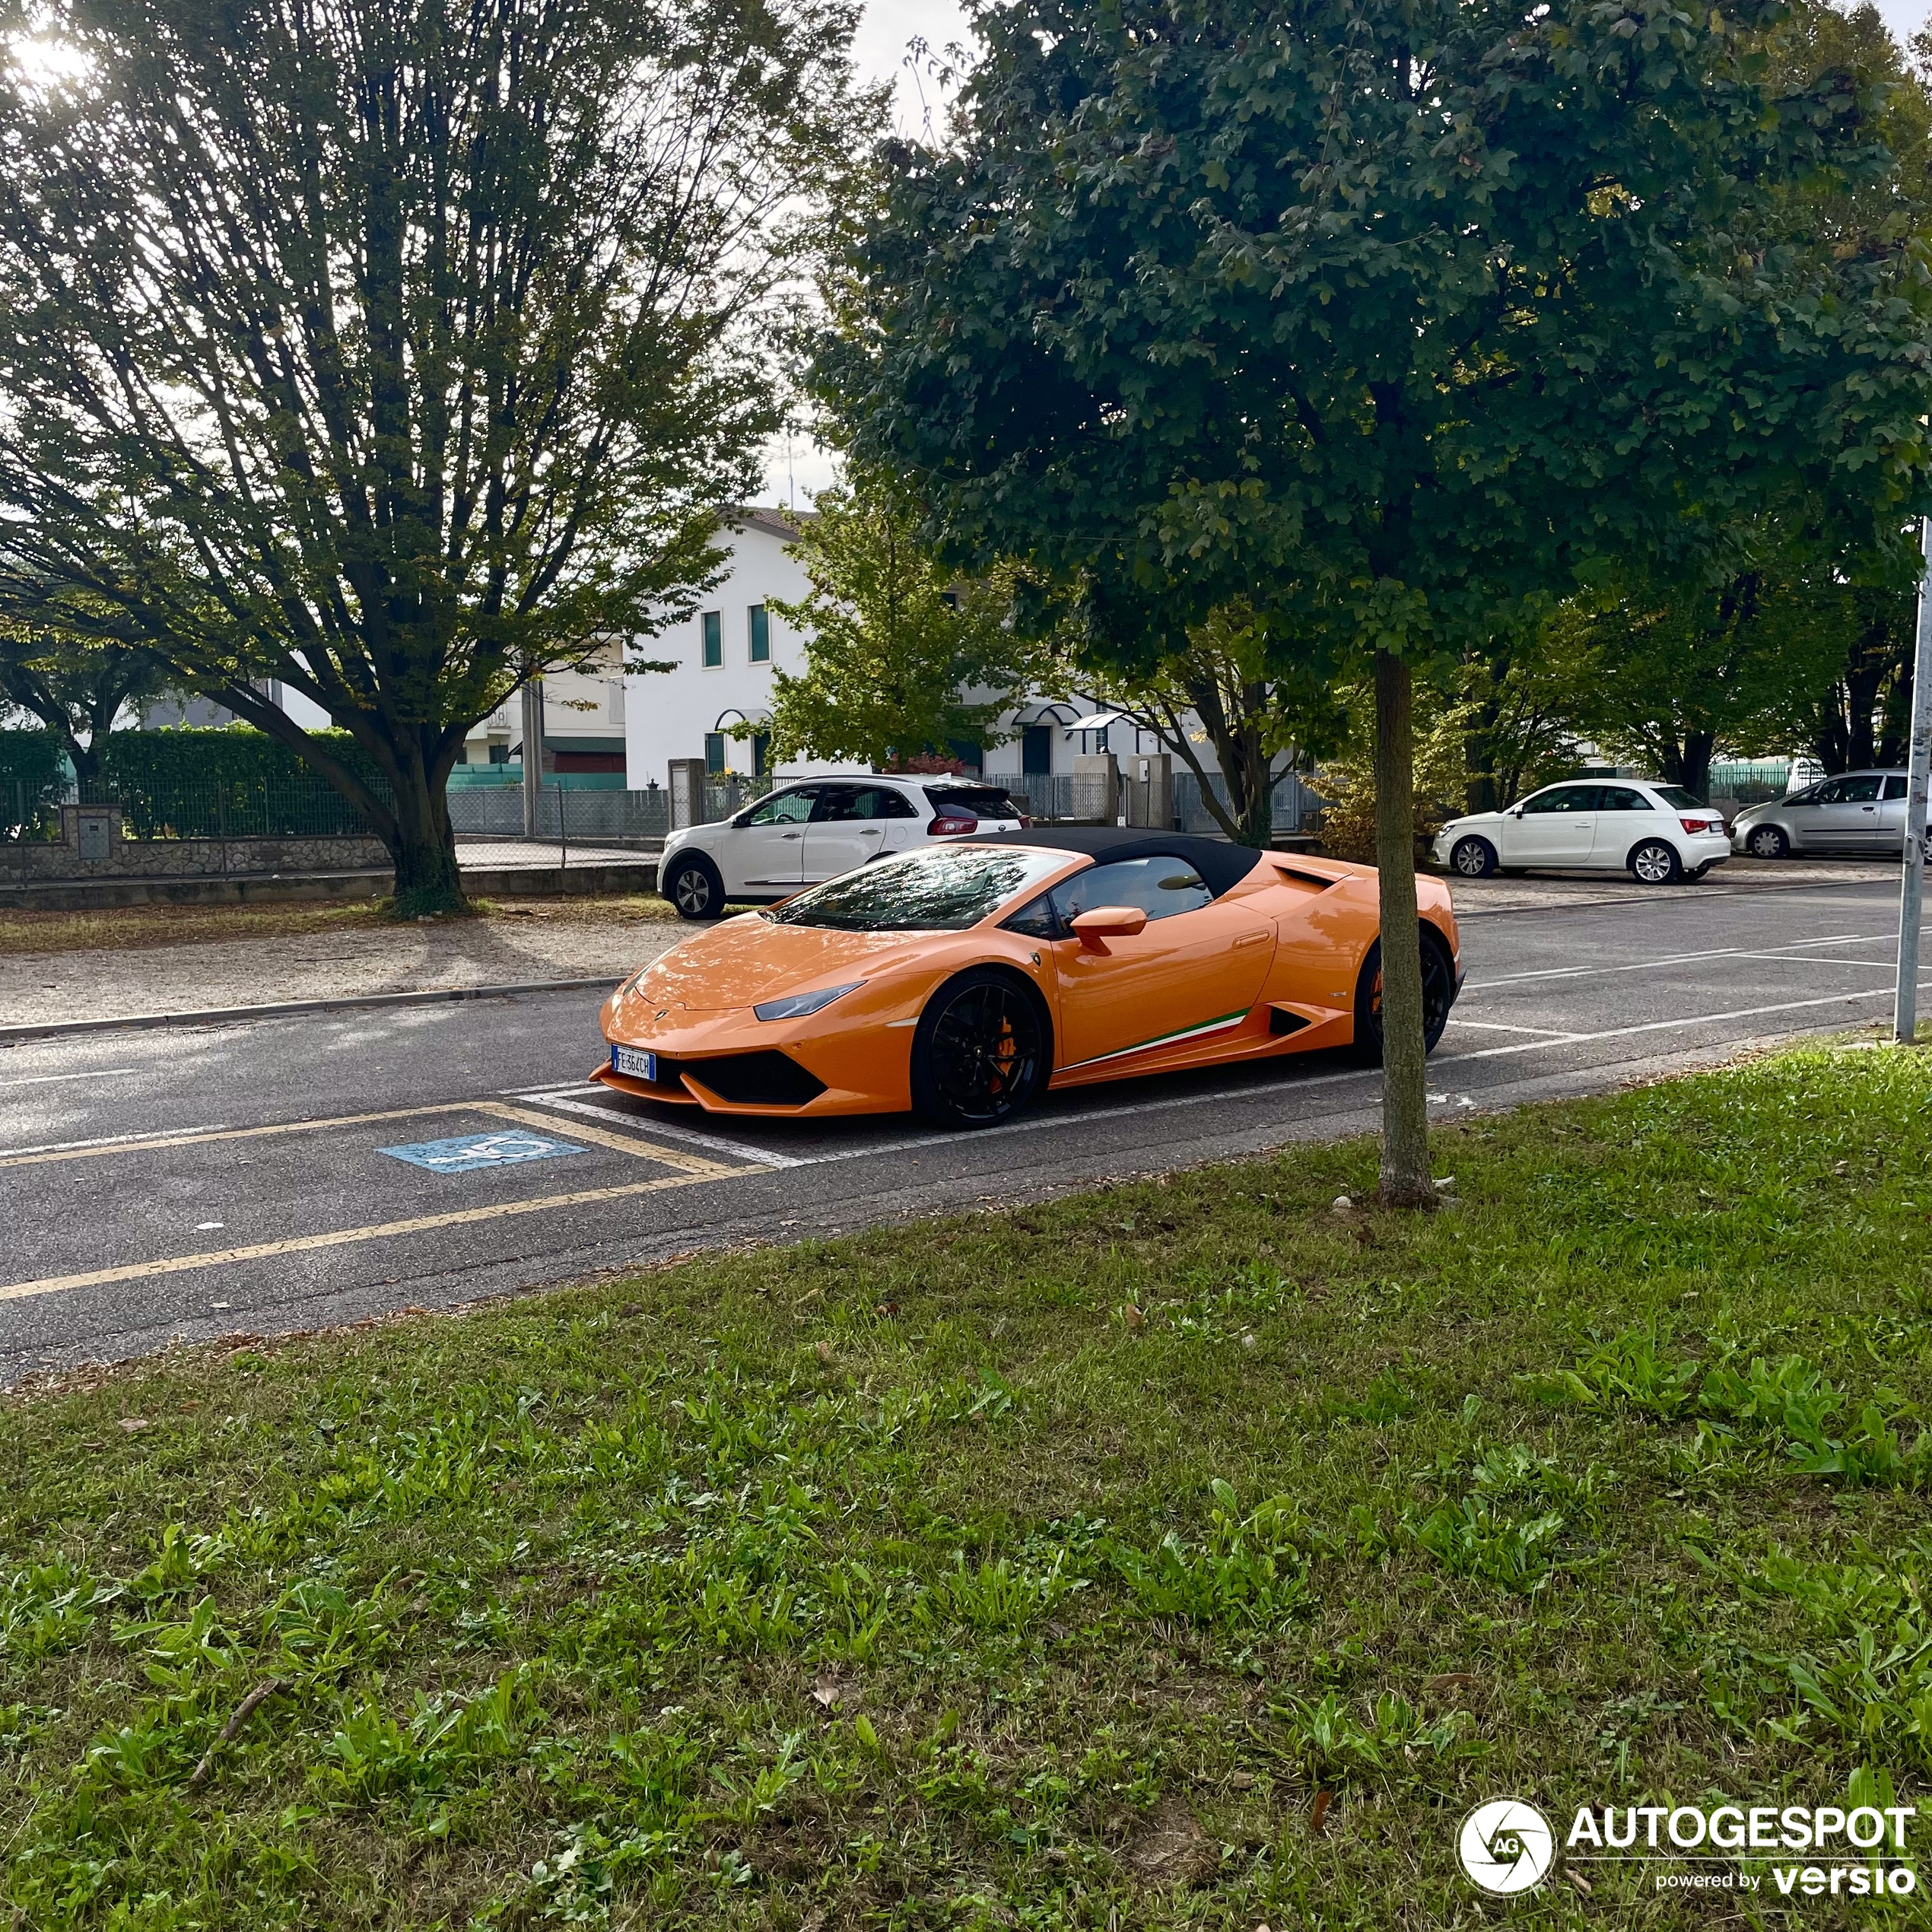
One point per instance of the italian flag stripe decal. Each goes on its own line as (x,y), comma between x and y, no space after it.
(1164,1040)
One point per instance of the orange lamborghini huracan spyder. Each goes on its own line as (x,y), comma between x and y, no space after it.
(963,980)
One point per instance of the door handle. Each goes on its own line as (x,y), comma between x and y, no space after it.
(1251,939)
(791,835)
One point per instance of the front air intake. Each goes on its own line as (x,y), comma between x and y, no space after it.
(767,1079)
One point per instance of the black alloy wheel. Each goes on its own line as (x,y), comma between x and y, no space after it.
(1438,995)
(981,1051)
(1472,857)
(695,889)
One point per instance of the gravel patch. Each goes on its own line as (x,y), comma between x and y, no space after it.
(38,987)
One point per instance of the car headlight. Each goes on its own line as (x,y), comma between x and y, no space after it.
(797,1004)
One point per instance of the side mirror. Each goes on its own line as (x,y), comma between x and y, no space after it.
(1094,928)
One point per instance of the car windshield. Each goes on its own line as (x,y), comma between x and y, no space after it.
(1676,795)
(940,889)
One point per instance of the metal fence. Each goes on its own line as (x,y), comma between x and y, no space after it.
(302,805)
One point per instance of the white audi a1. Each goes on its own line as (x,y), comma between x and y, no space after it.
(1658,834)
(801,834)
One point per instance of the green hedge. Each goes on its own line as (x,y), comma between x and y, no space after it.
(33,777)
(230,781)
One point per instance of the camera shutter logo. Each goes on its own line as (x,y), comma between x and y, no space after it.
(1506,1846)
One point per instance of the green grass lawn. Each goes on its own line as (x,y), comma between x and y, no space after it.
(1186,1553)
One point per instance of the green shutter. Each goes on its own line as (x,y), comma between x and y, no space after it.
(714,752)
(760,630)
(713,622)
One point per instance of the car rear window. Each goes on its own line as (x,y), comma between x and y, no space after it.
(939,888)
(1676,795)
(982,801)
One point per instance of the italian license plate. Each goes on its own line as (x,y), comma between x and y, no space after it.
(638,1065)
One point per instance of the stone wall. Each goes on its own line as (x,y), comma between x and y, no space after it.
(92,847)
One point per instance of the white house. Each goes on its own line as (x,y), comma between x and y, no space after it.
(725,657)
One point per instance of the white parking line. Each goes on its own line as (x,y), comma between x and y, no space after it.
(110,1140)
(1679,959)
(1691,1020)
(46,1079)
(1497,1026)
(764,1156)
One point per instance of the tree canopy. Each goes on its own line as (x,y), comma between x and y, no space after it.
(1389,314)
(401,354)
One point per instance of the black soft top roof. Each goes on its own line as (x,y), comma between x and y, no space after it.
(1222,866)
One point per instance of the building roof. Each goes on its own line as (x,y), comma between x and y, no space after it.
(1222,866)
(782,524)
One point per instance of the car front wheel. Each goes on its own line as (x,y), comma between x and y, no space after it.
(981,1052)
(1655,863)
(1473,858)
(1767,842)
(695,888)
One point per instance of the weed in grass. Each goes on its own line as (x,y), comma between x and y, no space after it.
(633,1605)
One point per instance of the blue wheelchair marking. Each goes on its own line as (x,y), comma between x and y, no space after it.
(508,1147)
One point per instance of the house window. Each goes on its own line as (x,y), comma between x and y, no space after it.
(760,621)
(713,623)
(761,753)
(1037,750)
(714,753)
(499,754)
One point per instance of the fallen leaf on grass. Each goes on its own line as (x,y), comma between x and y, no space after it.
(826,1694)
(1451,1683)
(134,1425)
(823,1352)
(1577,1879)
(1133,1316)
(1318,1817)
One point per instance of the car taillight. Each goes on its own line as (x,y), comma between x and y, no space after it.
(1701,824)
(1026,822)
(950,825)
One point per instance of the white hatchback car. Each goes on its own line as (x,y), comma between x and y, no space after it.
(1657,833)
(800,835)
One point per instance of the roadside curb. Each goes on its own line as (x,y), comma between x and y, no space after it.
(230,1015)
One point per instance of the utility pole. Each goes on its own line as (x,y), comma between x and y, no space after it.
(532,754)
(1912,889)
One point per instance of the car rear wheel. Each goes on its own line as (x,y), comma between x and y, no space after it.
(1474,858)
(981,1051)
(695,888)
(1438,995)
(1767,842)
(1655,863)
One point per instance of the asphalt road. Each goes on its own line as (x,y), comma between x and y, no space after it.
(199,1182)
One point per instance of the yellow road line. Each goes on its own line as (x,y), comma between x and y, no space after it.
(181,1264)
(238,1133)
(635,1145)
(632,1144)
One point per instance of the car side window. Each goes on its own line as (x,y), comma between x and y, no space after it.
(783,808)
(1035,919)
(1861,791)
(1894,788)
(1563,798)
(837,804)
(1160,886)
(1621,797)
(881,802)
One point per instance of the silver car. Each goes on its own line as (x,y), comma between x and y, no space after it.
(1856,812)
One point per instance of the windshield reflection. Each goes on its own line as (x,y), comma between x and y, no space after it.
(937,889)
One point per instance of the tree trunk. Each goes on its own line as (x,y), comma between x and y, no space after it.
(422,849)
(1696,762)
(1405,1178)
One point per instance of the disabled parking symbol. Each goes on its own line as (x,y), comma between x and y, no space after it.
(506,1148)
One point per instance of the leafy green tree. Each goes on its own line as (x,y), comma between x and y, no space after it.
(1391,316)
(1230,688)
(62,662)
(903,659)
(401,353)
(1682,672)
